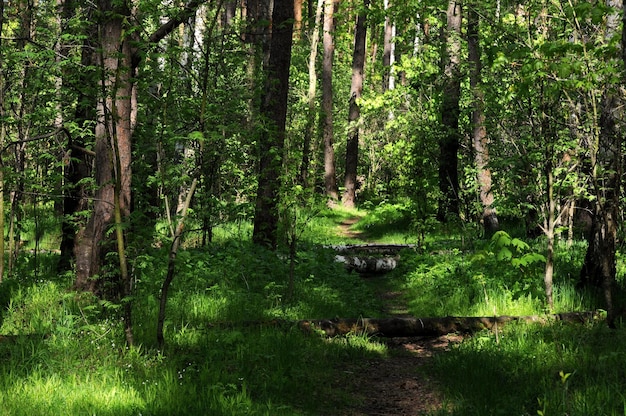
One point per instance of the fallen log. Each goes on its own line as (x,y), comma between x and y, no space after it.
(368,264)
(412,327)
(389,249)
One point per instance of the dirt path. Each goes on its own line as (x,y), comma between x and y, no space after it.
(397,384)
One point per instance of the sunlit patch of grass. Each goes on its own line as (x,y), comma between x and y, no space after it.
(361,342)
(498,301)
(567,298)
(69,394)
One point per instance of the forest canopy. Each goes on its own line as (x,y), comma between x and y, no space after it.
(122,120)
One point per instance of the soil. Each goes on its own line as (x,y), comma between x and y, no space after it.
(397,384)
(346,231)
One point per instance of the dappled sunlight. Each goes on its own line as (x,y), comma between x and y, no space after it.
(557,369)
(72,394)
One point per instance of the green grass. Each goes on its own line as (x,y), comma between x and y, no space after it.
(64,354)
(556,370)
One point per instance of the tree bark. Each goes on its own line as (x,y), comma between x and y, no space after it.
(3,136)
(373,248)
(449,142)
(75,196)
(311,98)
(480,139)
(388,50)
(354,111)
(274,112)
(113,128)
(368,265)
(330,176)
(297,18)
(401,326)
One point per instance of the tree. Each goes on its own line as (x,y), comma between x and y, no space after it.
(480,139)
(388,51)
(354,112)
(450,111)
(311,95)
(2,140)
(330,178)
(599,267)
(113,134)
(78,168)
(274,116)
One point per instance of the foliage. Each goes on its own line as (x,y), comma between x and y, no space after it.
(64,353)
(558,369)
(502,276)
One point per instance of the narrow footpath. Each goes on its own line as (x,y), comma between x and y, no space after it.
(396,384)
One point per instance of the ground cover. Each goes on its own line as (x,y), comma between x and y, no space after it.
(63,353)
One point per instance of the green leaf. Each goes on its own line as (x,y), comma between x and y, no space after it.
(519,244)
(504,254)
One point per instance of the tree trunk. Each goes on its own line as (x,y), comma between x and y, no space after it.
(297,18)
(230,7)
(311,96)
(75,196)
(113,129)
(449,142)
(3,135)
(549,232)
(480,140)
(171,265)
(274,111)
(388,51)
(373,248)
(599,267)
(330,176)
(354,111)
(115,120)
(368,265)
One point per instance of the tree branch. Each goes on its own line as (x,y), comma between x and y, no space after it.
(187,11)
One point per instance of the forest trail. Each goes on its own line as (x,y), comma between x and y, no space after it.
(397,384)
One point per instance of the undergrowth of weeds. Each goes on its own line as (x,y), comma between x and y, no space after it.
(231,347)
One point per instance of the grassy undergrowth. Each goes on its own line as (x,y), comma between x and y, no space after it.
(63,354)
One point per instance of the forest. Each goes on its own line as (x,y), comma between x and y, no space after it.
(300,207)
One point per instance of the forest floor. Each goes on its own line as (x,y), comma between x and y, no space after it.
(397,384)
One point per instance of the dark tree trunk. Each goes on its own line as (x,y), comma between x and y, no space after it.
(229,12)
(354,112)
(330,176)
(75,196)
(480,140)
(599,267)
(274,112)
(449,141)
